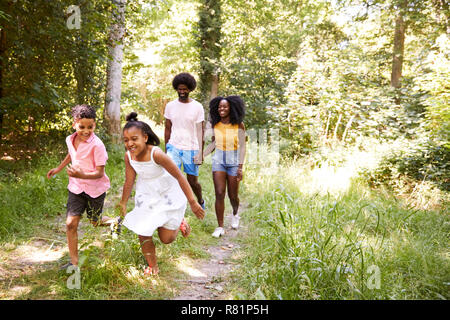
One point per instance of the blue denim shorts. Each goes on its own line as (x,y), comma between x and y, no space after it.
(183,157)
(226,161)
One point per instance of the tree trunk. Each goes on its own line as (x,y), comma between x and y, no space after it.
(328,125)
(214,86)
(114,71)
(337,126)
(399,46)
(2,58)
(209,27)
(347,127)
(81,71)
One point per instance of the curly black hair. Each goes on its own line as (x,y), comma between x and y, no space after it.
(132,121)
(237,109)
(83,111)
(186,79)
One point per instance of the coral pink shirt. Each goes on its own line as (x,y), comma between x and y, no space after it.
(88,156)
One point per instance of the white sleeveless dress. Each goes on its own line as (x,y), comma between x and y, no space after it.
(159,200)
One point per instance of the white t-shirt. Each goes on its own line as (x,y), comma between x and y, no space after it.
(184,117)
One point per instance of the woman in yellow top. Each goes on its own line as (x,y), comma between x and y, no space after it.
(226,116)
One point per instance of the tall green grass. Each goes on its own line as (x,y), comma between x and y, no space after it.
(30,196)
(304,243)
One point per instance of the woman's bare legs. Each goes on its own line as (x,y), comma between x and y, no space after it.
(220,183)
(233,192)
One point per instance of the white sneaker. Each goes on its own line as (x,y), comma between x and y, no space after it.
(218,232)
(235,221)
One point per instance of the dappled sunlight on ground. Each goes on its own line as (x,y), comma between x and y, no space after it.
(15,292)
(19,261)
(136,275)
(186,265)
(24,260)
(7,158)
(33,253)
(38,254)
(321,180)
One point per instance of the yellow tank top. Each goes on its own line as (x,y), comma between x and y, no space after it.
(226,136)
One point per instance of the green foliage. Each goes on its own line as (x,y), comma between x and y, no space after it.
(435,87)
(318,71)
(50,67)
(165,48)
(30,196)
(260,44)
(420,161)
(308,245)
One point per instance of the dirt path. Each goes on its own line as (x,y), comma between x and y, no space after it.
(211,279)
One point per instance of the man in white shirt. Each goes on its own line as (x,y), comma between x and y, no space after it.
(184,129)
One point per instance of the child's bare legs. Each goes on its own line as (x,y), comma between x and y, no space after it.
(72,237)
(106,221)
(148,247)
(167,236)
(149,252)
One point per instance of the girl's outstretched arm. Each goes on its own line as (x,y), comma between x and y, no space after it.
(167,132)
(130,176)
(61,166)
(163,160)
(210,148)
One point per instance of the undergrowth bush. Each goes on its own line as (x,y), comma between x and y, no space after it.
(353,244)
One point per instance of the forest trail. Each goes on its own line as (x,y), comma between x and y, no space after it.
(211,277)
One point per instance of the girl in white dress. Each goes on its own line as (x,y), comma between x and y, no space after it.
(162,191)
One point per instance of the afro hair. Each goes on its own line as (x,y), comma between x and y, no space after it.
(186,79)
(237,109)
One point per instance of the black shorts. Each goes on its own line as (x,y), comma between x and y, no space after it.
(78,203)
